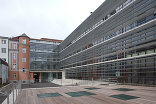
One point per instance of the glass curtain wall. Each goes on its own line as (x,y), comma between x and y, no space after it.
(43,56)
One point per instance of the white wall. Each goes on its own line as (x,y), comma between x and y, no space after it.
(4,55)
(3,73)
(0,70)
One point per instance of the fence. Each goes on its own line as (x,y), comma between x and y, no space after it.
(9,93)
(92,82)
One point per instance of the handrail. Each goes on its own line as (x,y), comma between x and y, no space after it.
(10,92)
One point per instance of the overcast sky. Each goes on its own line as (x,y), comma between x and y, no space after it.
(54,19)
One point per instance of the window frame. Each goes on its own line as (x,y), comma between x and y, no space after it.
(24,59)
(14,56)
(2,50)
(3,41)
(14,46)
(14,75)
(24,70)
(14,66)
(24,41)
(23,50)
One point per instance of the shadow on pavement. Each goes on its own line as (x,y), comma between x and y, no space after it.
(39,85)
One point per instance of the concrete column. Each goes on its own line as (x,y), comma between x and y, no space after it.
(40,77)
(50,76)
(63,75)
(56,75)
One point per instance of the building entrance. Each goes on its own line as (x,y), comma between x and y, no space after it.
(50,76)
(36,77)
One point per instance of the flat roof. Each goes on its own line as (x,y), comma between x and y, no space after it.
(47,39)
(3,37)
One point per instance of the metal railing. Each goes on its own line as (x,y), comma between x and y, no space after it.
(89,82)
(9,93)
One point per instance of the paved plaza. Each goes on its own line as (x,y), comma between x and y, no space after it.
(97,94)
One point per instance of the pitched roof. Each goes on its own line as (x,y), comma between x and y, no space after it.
(23,35)
(3,62)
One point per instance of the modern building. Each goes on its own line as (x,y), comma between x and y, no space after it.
(3,71)
(44,59)
(4,48)
(33,60)
(117,43)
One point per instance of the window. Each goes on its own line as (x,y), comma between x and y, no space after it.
(14,46)
(3,50)
(23,59)
(24,70)
(14,75)
(14,66)
(24,41)
(24,50)
(141,21)
(106,17)
(3,41)
(113,12)
(150,17)
(23,81)
(14,55)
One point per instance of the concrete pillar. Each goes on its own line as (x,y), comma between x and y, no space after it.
(63,75)
(56,75)
(50,76)
(40,77)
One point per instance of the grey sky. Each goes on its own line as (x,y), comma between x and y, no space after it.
(44,18)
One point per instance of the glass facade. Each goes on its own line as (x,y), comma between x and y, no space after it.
(136,70)
(118,47)
(43,55)
(48,77)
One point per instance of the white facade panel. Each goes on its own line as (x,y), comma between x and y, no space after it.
(4,46)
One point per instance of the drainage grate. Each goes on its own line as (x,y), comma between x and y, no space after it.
(124,89)
(92,88)
(48,95)
(80,93)
(124,97)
